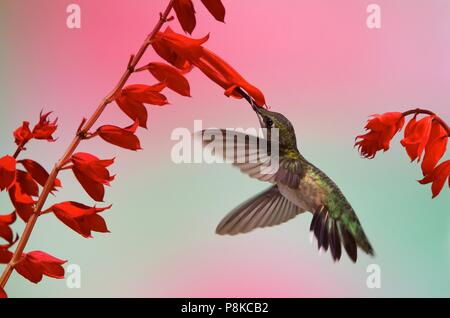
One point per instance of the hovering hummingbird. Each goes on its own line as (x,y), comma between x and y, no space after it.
(298,186)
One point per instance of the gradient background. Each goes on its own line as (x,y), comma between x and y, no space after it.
(316,62)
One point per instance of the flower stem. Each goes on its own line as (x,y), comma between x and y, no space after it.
(428,112)
(19,149)
(87,125)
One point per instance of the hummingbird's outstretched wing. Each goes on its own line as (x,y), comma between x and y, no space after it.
(254,156)
(267,208)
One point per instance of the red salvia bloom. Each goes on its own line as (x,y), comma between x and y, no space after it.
(92,174)
(5,253)
(186,14)
(435,149)
(25,187)
(133,97)
(81,218)
(38,173)
(417,134)
(45,129)
(382,128)
(216,8)
(227,77)
(24,210)
(5,230)
(170,76)
(437,177)
(35,264)
(21,194)
(122,137)
(7,172)
(178,49)
(23,134)
(3,293)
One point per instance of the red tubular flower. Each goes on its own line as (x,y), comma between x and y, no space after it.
(182,51)
(122,137)
(437,177)
(417,134)
(216,8)
(227,77)
(5,253)
(132,99)
(3,293)
(92,174)
(81,218)
(23,134)
(38,173)
(5,230)
(178,49)
(186,14)
(21,194)
(25,187)
(35,264)
(7,172)
(382,128)
(45,129)
(170,76)
(435,148)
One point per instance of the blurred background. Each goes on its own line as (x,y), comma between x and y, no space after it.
(316,62)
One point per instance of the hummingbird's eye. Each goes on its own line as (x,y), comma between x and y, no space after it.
(269,123)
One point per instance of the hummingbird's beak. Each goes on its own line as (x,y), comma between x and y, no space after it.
(255,107)
(258,112)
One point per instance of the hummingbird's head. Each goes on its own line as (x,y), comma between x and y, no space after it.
(269,120)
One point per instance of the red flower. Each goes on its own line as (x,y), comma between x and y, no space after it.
(435,148)
(186,14)
(227,77)
(169,76)
(216,8)
(21,194)
(5,253)
(45,129)
(382,128)
(24,210)
(92,174)
(81,218)
(35,264)
(23,134)
(417,134)
(122,137)
(5,231)
(38,173)
(132,99)
(7,172)
(437,177)
(25,187)
(3,293)
(182,51)
(178,49)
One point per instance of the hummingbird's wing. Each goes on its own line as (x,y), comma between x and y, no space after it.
(254,156)
(265,209)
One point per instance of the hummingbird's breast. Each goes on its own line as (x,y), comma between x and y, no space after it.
(308,196)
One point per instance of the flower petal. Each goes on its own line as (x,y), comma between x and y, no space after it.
(216,8)
(7,172)
(186,14)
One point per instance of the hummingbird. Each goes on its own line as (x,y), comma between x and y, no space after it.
(298,186)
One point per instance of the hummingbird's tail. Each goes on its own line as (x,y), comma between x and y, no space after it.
(332,233)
